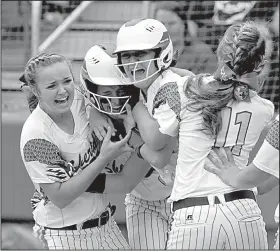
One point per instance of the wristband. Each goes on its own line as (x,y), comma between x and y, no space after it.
(138,151)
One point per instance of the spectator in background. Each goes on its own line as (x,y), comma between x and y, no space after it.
(193,54)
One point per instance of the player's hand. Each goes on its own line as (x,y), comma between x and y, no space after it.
(111,150)
(98,124)
(223,164)
(128,119)
(60,171)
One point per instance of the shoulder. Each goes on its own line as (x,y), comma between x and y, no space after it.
(266,105)
(169,76)
(272,136)
(78,102)
(37,126)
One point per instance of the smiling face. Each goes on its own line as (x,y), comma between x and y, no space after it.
(55,88)
(140,67)
(113,98)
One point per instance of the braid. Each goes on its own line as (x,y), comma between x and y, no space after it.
(244,48)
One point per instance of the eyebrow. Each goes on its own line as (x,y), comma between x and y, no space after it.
(53,82)
(106,92)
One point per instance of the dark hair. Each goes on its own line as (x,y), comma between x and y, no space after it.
(29,76)
(244,48)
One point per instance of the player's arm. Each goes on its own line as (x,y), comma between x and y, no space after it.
(223,165)
(267,185)
(149,128)
(62,194)
(264,165)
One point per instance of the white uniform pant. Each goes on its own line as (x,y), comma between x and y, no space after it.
(276,246)
(107,236)
(233,225)
(147,222)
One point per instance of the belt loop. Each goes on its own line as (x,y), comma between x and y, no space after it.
(79,226)
(99,221)
(109,210)
(171,207)
(211,200)
(222,199)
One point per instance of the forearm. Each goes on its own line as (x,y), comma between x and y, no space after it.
(133,172)
(249,177)
(268,185)
(149,130)
(160,158)
(62,194)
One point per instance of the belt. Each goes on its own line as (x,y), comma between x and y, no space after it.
(100,221)
(200,201)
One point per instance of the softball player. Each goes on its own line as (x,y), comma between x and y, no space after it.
(207,214)
(147,212)
(73,214)
(264,166)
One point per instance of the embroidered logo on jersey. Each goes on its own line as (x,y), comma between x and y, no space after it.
(116,166)
(168,93)
(90,155)
(272,136)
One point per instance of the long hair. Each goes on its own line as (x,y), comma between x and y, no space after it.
(29,77)
(245,48)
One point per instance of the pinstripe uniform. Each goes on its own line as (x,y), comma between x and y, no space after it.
(41,141)
(147,210)
(147,214)
(267,160)
(208,214)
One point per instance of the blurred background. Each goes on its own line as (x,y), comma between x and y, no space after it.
(72,27)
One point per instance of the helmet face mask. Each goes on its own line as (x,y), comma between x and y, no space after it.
(130,75)
(96,74)
(111,105)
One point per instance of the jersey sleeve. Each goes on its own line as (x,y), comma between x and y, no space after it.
(37,152)
(267,158)
(167,108)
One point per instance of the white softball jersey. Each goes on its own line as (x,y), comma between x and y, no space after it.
(241,128)
(41,141)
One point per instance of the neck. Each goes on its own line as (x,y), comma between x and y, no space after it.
(58,117)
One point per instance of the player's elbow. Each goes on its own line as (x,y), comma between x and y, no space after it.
(160,161)
(155,142)
(60,203)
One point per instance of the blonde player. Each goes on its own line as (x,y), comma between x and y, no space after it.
(220,110)
(264,166)
(75,214)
